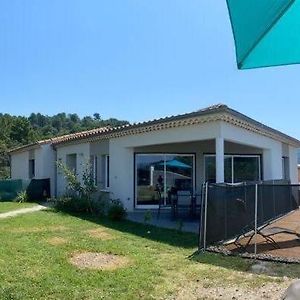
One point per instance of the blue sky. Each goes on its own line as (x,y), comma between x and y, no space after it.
(134,60)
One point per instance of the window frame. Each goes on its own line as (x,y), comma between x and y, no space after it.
(107,170)
(31,168)
(164,154)
(94,168)
(232,156)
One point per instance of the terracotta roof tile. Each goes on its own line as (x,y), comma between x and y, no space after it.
(159,124)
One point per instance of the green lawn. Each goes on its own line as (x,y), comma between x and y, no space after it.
(9,206)
(35,251)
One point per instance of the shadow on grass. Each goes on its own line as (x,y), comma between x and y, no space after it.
(150,232)
(219,260)
(239,264)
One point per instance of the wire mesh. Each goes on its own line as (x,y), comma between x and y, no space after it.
(232,216)
(9,189)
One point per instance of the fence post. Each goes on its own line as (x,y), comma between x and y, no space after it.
(201,220)
(205,216)
(255,221)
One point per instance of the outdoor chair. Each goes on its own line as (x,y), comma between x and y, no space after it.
(196,204)
(183,202)
(163,205)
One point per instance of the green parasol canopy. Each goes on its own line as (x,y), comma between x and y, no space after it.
(266,32)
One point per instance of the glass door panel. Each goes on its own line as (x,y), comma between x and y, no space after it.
(179,174)
(167,173)
(246,169)
(149,177)
(228,169)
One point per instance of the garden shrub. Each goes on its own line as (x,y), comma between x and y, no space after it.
(116,210)
(81,192)
(71,204)
(22,197)
(80,197)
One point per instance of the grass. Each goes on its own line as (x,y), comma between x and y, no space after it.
(10,206)
(32,267)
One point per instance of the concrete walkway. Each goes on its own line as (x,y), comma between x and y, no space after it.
(165,221)
(22,211)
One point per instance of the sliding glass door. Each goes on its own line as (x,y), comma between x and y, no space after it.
(237,168)
(166,173)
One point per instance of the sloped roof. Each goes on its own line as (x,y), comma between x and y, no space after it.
(219,112)
(60,139)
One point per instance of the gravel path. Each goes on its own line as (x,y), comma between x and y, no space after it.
(22,211)
(270,291)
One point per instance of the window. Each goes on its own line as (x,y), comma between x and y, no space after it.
(31,168)
(168,173)
(94,168)
(237,168)
(71,162)
(285,168)
(105,171)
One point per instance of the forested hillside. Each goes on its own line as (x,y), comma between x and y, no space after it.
(17,130)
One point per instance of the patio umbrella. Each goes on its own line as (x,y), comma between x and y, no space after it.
(176,164)
(266,32)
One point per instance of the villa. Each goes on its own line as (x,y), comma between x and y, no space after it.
(215,144)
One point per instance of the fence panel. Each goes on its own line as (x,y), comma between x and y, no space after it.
(231,208)
(9,189)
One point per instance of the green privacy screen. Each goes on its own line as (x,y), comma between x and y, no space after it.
(266,32)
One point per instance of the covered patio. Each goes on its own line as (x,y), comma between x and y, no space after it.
(179,170)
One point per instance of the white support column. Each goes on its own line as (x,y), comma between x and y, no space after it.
(293,167)
(272,163)
(220,159)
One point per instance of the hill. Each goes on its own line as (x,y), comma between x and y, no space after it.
(19,130)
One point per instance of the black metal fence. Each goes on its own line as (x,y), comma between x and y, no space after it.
(230,209)
(36,189)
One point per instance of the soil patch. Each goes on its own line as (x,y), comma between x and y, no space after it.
(100,233)
(98,261)
(195,291)
(56,241)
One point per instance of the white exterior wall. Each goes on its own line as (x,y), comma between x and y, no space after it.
(122,173)
(82,152)
(19,165)
(49,166)
(44,157)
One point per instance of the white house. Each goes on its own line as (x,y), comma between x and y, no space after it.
(180,152)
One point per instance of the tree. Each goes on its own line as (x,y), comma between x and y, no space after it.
(97,116)
(17,130)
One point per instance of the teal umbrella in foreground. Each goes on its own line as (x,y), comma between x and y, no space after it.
(266,32)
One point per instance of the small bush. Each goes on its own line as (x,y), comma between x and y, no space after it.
(100,206)
(83,190)
(77,204)
(72,204)
(22,197)
(116,210)
(147,217)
